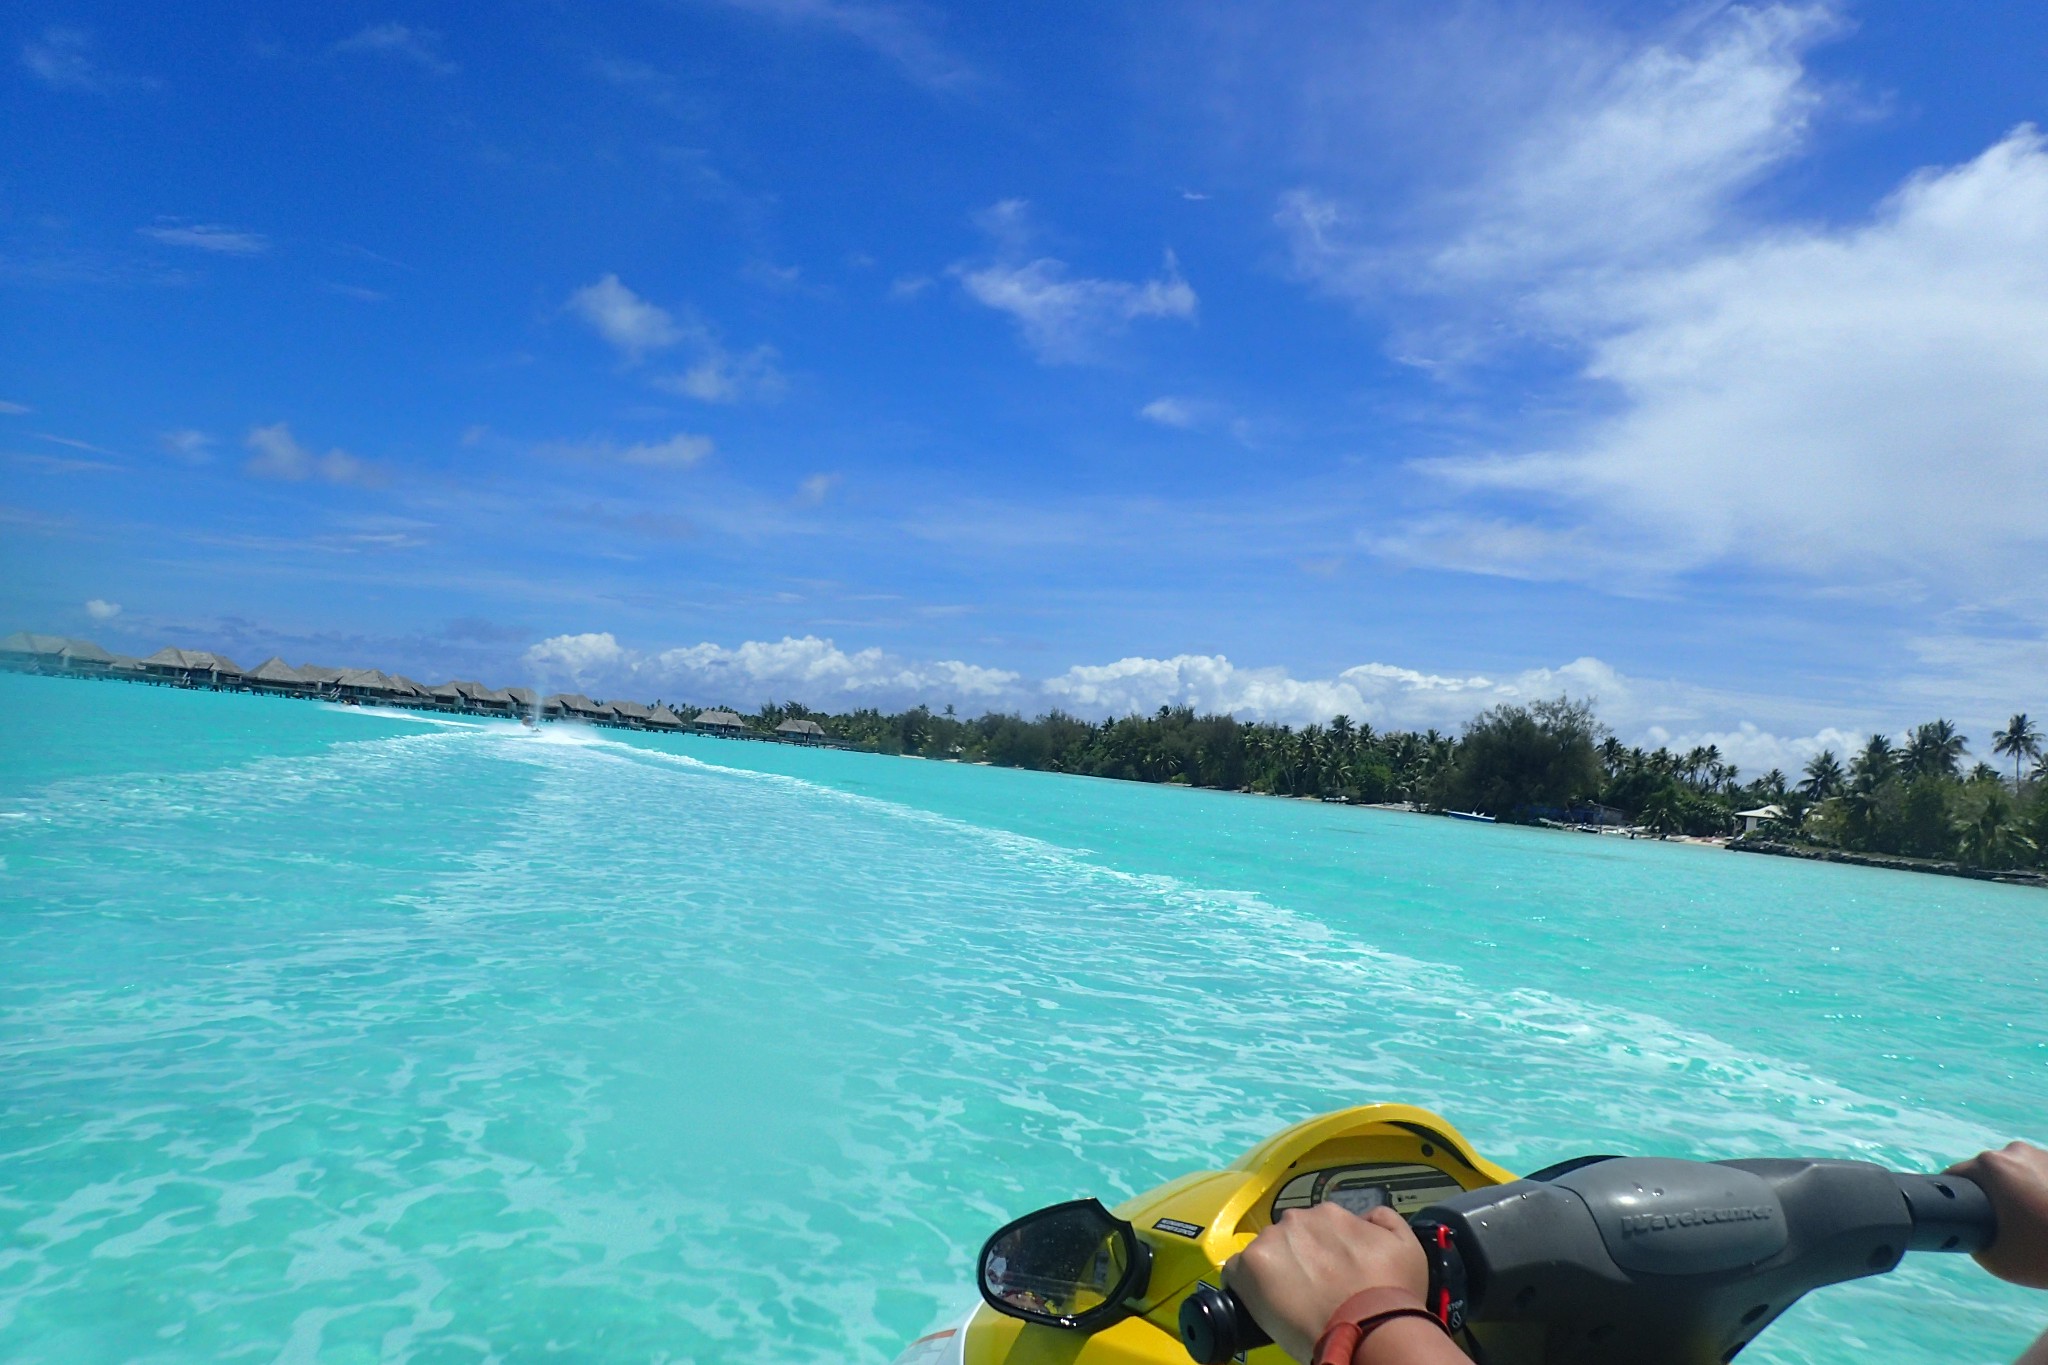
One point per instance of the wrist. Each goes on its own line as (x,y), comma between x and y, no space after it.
(1406,1341)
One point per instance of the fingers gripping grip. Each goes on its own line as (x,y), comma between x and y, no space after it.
(1215,1326)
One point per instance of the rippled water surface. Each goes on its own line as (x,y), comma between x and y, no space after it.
(335,1036)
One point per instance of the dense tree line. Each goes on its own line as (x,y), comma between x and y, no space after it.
(1552,760)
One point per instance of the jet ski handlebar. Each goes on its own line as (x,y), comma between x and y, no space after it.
(1617,1259)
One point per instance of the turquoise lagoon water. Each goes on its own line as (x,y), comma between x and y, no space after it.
(337,1036)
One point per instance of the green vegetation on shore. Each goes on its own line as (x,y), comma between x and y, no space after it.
(1552,760)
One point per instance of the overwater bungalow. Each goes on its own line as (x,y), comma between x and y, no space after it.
(275,675)
(25,650)
(83,656)
(574,706)
(411,693)
(375,685)
(448,697)
(802,731)
(193,667)
(477,697)
(498,702)
(719,722)
(53,654)
(660,717)
(632,713)
(525,701)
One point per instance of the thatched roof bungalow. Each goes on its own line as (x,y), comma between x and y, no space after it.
(719,722)
(374,684)
(25,647)
(193,665)
(575,706)
(411,693)
(632,712)
(524,701)
(803,731)
(661,718)
(83,656)
(275,675)
(477,697)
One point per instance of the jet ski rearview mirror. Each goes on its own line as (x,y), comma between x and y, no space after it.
(1074,1266)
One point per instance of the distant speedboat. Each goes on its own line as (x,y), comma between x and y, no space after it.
(1471,815)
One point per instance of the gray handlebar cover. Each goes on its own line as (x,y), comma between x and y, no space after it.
(1647,1258)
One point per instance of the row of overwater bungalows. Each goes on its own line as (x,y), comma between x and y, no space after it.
(56,654)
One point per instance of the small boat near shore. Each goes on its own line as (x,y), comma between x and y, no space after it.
(1471,815)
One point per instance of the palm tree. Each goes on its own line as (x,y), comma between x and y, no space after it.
(1935,750)
(1874,764)
(1660,813)
(1823,776)
(1991,840)
(2019,740)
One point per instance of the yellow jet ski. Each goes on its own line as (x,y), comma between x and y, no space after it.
(1602,1260)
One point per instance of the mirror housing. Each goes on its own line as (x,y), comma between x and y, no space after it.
(1074,1266)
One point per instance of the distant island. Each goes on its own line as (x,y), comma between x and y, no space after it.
(1911,805)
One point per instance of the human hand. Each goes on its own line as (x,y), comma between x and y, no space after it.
(2015,1179)
(1300,1270)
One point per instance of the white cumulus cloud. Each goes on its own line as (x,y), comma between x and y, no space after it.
(581,659)
(802,668)
(1847,403)
(99,609)
(807,666)
(1758,733)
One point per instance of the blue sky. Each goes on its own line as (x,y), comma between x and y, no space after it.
(1383,358)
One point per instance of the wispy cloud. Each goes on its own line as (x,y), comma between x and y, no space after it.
(62,59)
(278,455)
(99,609)
(722,376)
(1626,155)
(635,327)
(815,489)
(420,46)
(74,443)
(630,323)
(679,451)
(355,291)
(14,409)
(1064,318)
(212,237)
(189,445)
(899,33)
(1181,413)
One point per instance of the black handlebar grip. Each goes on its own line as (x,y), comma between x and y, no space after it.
(1949,1213)
(1215,1326)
